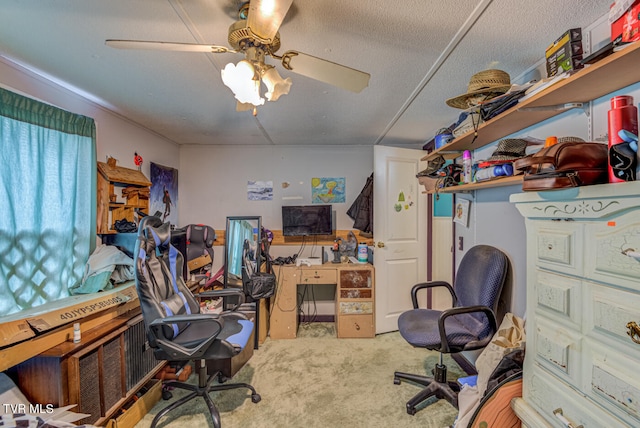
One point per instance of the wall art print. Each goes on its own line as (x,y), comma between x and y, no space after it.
(328,190)
(163,198)
(260,190)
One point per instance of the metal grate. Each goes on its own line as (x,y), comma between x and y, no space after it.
(112,372)
(88,366)
(138,355)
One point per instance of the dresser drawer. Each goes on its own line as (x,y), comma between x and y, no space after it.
(612,378)
(559,296)
(548,397)
(356,278)
(355,307)
(606,243)
(355,326)
(317,276)
(558,350)
(559,246)
(607,313)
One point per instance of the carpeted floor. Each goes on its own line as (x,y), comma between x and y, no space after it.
(317,380)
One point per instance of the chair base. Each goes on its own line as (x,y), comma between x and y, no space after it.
(204,387)
(442,390)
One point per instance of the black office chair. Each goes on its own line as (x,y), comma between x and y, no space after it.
(470,324)
(200,238)
(176,330)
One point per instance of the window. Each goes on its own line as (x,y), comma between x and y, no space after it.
(47,201)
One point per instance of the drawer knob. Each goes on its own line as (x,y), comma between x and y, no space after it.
(633,331)
(550,246)
(357,326)
(558,414)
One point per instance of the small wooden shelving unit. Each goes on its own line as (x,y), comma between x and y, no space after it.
(610,74)
(135,189)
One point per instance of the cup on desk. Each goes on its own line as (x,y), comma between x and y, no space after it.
(344,259)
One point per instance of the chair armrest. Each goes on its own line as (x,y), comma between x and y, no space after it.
(432,284)
(155,329)
(464,310)
(225,292)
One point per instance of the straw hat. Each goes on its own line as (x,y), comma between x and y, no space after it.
(488,83)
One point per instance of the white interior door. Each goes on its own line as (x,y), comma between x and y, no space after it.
(400,232)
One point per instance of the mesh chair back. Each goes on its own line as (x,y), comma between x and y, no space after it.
(480,278)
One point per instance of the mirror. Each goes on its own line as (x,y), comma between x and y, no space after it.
(238,230)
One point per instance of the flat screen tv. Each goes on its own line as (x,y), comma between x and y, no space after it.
(306,220)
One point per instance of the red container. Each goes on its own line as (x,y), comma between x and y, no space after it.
(623,116)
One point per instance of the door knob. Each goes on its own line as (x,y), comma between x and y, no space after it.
(380,244)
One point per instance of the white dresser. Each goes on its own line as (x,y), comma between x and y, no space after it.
(582,366)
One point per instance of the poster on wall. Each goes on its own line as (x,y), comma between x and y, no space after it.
(163,199)
(328,190)
(260,190)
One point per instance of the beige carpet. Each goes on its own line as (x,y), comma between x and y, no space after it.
(320,381)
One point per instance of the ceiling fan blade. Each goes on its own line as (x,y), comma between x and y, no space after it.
(166,46)
(326,71)
(265,17)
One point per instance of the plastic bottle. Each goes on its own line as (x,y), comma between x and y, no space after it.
(363,252)
(466,166)
(623,122)
(504,170)
(76,333)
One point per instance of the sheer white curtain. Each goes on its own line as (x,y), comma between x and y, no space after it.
(47,201)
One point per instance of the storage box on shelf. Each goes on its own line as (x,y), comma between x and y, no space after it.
(134,187)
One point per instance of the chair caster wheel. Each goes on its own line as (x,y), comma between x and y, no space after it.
(411,410)
(166,395)
(396,381)
(255,398)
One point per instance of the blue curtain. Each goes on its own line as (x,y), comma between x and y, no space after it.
(237,232)
(47,201)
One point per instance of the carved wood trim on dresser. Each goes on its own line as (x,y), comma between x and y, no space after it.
(583,307)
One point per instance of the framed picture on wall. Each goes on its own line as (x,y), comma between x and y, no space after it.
(461,214)
(163,198)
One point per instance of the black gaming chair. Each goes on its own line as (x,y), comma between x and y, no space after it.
(200,238)
(176,329)
(470,324)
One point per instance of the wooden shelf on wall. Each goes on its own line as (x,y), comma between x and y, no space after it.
(498,182)
(594,81)
(279,239)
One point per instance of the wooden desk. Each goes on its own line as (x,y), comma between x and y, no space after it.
(355,298)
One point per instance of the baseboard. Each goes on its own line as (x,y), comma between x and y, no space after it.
(317,318)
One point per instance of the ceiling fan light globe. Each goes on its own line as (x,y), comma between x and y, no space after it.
(241,81)
(276,85)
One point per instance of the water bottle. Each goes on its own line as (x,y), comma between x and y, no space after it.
(623,139)
(466,166)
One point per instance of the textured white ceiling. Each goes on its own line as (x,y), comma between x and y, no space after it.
(418,53)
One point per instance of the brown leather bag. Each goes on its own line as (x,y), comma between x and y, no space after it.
(566,164)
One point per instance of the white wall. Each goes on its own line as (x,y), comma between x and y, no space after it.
(212,184)
(115,135)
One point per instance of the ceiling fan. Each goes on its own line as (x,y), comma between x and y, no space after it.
(256,35)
